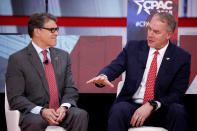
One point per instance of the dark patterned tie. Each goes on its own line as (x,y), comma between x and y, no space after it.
(52,85)
(150,83)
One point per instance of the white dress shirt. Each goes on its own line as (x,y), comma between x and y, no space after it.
(139,94)
(36,110)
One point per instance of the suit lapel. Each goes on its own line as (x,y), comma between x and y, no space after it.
(143,56)
(55,60)
(167,60)
(35,60)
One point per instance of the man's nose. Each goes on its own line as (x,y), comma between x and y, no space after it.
(150,33)
(56,33)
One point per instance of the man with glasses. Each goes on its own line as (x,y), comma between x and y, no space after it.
(39,81)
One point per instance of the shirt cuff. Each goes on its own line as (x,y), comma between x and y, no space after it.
(66,104)
(101,85)
(158,105)
(104,76)
(36,110)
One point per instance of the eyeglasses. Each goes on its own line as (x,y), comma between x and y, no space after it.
(52,30)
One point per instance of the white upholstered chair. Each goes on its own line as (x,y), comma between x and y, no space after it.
(12,119)
(143,128)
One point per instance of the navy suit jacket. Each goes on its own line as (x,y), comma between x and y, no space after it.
(172,78)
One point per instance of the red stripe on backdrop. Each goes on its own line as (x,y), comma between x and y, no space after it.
(187,22)
(14,20)
(69,21)
(92,22)
(87,21)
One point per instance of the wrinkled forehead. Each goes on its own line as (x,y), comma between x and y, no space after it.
(157,21)
(157,24)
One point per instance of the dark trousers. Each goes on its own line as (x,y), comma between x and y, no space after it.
(173,118)
(76,120)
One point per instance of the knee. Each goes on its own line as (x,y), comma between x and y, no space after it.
(177,111)
(80,114)
(120,109)
(37,124)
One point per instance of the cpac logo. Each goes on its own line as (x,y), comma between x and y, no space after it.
(149,5)
(142,23)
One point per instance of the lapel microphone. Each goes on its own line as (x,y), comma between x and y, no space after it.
(46,62)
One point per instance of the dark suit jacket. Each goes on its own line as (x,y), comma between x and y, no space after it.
(172,78)
(26,82)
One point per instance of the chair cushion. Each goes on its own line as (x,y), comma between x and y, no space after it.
(145,128)
(55,128)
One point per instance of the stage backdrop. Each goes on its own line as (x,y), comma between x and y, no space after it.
(139,14)
(89,54)
(141,11)
(188,42)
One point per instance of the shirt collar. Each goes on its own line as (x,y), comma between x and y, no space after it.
(161,51)
(38,49)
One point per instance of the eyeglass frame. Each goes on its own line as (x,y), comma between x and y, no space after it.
(52,30)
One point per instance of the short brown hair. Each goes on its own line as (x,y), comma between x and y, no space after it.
(167,18)
(37,20)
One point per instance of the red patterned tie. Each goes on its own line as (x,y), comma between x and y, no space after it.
(149,92)
(52,85)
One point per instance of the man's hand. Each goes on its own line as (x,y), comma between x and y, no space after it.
(50,116)
(101,79)
(62,113)
(141,114)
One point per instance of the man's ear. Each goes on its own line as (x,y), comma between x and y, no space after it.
(169,35)
(36,31)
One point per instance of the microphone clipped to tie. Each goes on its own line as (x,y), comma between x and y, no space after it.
(46,62)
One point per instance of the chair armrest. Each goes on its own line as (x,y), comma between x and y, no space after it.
(12,120)
(119,88)
(12,116)
(147,128)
